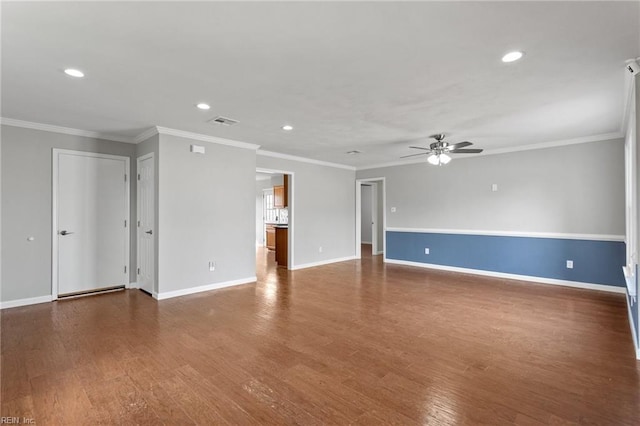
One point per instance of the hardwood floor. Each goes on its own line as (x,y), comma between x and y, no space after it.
(356,342)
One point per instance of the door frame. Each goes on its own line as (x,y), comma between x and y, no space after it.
(136,284)
(358,238)
(290,206)
(54,209)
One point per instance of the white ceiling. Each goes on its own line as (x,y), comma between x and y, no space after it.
(374,77)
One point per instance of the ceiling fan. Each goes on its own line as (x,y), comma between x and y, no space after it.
(439,150)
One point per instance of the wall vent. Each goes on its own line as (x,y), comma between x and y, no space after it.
(223,120)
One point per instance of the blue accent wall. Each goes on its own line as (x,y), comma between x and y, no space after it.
(596,262)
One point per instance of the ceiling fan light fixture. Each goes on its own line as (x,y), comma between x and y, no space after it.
(433,159)
(444,159)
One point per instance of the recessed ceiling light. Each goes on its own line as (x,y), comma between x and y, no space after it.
(512,56)
(203,106)
(74,72)
(287,127)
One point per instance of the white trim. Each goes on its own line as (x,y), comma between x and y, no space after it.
(555,144)
(199,289)
(367,242)
(566,283)
(54,210)
(199,137)
(25,302)
(557,235)
(551,144)
(145,135)
(377,253)
(132,285)
(64,130)
(630,280)
(323,262)
(633,330)
(303,159)
(629,84)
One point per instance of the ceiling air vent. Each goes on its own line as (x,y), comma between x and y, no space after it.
(224,121)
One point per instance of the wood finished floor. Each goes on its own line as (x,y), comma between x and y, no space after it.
(356,342)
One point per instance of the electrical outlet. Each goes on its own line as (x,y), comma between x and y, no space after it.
(569,264)
(320,249)
(426,250)
(212,266)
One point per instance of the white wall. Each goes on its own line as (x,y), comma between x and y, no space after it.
(366,212)
(26,206)
(569,189)
(206,213)
(323,211)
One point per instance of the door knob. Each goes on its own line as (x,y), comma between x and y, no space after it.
(65,233)
(150,232)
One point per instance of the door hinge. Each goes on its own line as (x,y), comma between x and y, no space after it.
(125,223)
(138,271)
(125,178)
(125,269)
(138,176)
(138,224)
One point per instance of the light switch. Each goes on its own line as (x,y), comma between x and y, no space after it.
(197,149)
(494,187)
(393,209)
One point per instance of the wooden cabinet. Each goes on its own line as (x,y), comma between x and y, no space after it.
(271,237)
(282,247)
(281,194)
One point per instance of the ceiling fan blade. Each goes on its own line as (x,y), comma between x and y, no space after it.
(419,147)
(466,151)
(414,155)
(459,145)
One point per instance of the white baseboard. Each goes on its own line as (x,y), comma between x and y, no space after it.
(378,252)
(132,285)
(566,283)
(322,262)
(366,242)
(633,330)
(208,287)
(25,302)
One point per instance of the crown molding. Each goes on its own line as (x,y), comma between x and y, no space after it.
(145,135)
(552,144)
(63,130)
(199,137)
(304,160)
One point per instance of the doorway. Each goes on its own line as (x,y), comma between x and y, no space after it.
(274,218)
(371,221)
(90,226)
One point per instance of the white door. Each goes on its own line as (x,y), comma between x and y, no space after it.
(146,223)
(91,210)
